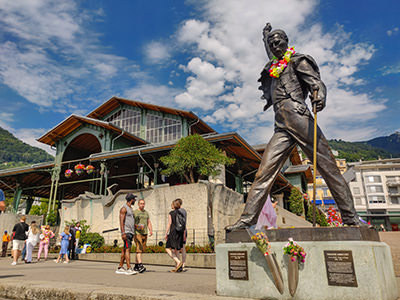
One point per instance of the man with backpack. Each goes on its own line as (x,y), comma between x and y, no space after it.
(19,236)
(175,234)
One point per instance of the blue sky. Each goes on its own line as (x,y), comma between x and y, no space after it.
(64,57)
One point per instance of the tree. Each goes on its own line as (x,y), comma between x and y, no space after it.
(296,202)
(194,155)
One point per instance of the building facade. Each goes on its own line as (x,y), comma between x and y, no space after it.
(375,186)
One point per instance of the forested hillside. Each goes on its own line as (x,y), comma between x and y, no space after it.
(15,153)
(358,150)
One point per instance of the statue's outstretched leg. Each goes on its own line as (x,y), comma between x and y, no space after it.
(277,151)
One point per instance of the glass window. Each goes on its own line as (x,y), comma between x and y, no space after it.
(376,199)
(393,190)
(154,132)
(127,119)
(375,178)
(358,200)
(375,189)
(172,129)
(395,200)
(356,190)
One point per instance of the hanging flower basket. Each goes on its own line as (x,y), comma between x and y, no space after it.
(89,169)
(79,169)
(68,173)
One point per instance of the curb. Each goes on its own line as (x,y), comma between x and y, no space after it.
(43,290)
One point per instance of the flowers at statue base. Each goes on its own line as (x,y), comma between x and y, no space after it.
(68,173)
(79,169)
(278,66)
(89,169)
(262,242)
(334,219)
(294,250)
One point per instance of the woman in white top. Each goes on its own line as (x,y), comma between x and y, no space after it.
(31,241)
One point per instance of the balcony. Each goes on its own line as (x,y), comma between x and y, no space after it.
(393,182)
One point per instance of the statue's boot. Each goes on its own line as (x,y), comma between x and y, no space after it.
(240,224)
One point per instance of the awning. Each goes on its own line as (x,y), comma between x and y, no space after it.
(326,202)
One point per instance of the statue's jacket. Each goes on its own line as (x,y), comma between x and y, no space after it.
(295,82)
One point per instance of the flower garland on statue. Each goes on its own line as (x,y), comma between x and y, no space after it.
(278,66)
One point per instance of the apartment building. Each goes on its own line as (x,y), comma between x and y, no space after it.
(375,186)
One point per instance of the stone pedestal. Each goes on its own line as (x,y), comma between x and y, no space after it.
(372,264)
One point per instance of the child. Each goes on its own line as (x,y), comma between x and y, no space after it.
(65,237)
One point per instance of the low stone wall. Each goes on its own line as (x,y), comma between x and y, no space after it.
(210,208)
(194,260)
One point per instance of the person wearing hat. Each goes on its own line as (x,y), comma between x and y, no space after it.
(127,226)
(6,240)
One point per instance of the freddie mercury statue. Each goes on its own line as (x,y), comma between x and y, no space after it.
(286,81)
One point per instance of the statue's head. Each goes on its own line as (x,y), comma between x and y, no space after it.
(278,42)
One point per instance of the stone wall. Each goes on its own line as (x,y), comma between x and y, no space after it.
(210,208)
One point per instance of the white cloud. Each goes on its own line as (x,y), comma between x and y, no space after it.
(202,88)
(29,136)
(152,93)
(228,37)
(393,31)
(157,52)
(50,57)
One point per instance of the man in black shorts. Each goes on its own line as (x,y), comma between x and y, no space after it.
(127,225)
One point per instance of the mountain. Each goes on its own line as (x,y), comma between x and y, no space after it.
(389,143)
(15,153)
(358,150)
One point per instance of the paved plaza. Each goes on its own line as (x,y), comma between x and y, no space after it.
(86,278)
(97,280)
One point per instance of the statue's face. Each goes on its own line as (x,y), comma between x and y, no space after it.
(277,44)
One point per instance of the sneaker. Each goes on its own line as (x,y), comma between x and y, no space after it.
(120,270)
(66,262)
(13,263)
(130,272)
(136,268)
(141,268)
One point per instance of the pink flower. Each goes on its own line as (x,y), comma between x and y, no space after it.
(293,259)
(302,260)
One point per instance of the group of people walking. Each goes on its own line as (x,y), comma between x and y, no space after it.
(25,238)
(135,226)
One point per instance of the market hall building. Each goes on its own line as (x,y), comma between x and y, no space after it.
(119,144)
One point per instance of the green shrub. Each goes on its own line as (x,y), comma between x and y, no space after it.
(296,202)
(320,217)
(92,238)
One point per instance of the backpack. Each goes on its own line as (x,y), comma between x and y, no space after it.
(180,225)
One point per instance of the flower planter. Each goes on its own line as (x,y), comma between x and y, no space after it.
(293,275)
(276,272)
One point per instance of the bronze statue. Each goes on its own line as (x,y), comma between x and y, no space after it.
(286,81)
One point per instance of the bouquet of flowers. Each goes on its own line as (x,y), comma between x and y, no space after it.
(89,169)
(68,173)
(262,242)
(79,169)
(334,219)
(294,250)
